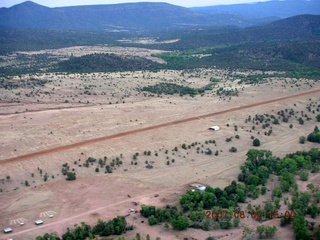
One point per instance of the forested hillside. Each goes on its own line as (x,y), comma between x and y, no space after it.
(149,16)
(36,39)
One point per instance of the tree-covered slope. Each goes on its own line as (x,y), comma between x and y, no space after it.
(293,28)
(296,58)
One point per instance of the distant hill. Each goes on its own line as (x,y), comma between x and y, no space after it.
(300,27)
(274,8)
(303,27)
(115,17)
(133,17)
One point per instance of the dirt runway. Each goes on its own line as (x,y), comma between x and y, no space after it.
(122,134)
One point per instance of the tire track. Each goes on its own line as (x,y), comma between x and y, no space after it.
(153,127)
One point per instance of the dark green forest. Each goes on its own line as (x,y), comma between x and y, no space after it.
(104,63)
(37,39)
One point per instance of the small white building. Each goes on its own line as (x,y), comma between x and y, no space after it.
(201,188)
(38,222)
(214,128)
(7,230)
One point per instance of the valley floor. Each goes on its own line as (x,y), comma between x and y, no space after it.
(43,131)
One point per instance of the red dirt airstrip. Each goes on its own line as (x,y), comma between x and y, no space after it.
(122,134)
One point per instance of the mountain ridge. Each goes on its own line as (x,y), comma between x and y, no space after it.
(141,16)
(99,17)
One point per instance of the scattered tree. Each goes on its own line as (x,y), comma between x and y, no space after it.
(71,176)
(302,140)
(256,142)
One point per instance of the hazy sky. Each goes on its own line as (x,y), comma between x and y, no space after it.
(184,3)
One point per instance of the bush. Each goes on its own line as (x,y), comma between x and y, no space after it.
(301,121)
(109,169)
(181,223)
(233,149)
(314,136)
(302,140)
(266,231)
(256,142)
(51,236)
(208,151)
(71,176)
(304,175)
(152,220)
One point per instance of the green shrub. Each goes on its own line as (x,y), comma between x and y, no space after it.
(71,176)
(256,142)
(302,140)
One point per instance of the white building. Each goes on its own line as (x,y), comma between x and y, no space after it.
(201,188)
(214,128)
(7,230)
(38,222)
